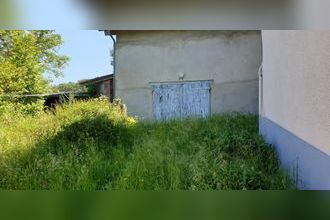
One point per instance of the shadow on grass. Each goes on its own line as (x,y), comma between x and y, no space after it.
(85,155)
(221,152)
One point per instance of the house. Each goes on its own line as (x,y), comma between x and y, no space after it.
(102,85)
(174,74)
(172,65)
(295,103)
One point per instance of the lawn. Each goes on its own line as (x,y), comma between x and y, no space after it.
(93,145)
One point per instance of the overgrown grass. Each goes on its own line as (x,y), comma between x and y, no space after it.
(92,145)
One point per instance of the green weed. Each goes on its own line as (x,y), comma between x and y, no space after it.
(93,145)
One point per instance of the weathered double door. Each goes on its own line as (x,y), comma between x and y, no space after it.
(180,100)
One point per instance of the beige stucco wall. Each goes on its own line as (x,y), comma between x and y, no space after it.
(230,59)
(296,83)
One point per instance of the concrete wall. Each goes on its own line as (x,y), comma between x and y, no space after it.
(230,59)
(295,102)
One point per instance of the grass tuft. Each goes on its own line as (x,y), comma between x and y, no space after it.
(93,145)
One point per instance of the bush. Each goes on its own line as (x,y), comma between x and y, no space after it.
(21,106)
(62,150)
(95,120)
(94,145)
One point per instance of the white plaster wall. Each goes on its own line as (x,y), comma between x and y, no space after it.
(230,59)
(296,83)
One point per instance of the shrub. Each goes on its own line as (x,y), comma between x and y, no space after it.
(62,150)
(95,120)
(21,106)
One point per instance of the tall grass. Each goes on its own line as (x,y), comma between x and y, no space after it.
(93,145)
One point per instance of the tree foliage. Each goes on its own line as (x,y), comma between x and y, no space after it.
(69,87)
(25,57)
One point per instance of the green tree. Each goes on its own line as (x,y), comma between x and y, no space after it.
(69,87)
(25,57)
